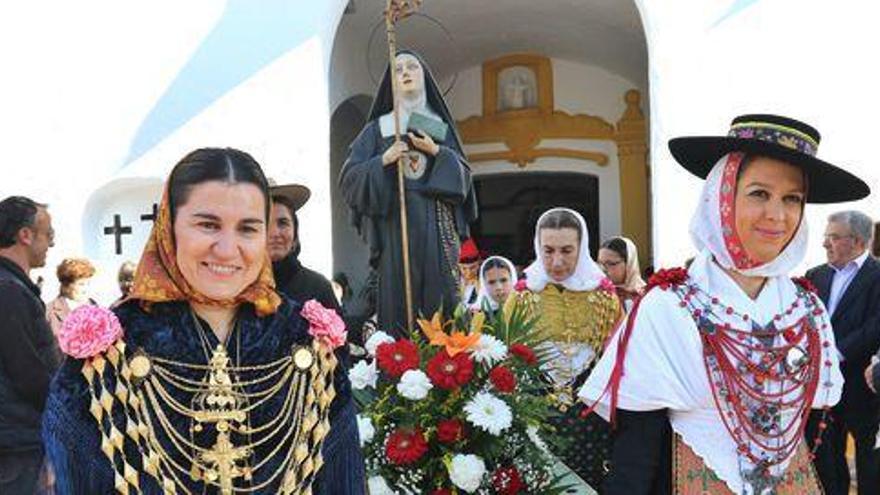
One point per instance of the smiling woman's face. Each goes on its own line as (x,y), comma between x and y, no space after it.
(220,236)
(769,205)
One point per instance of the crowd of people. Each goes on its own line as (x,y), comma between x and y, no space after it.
(725,376)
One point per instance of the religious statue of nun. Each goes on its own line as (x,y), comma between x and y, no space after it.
(440,200)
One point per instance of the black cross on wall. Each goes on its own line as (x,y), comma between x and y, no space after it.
(117,230)
(151,217)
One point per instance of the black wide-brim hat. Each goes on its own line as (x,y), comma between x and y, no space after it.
(297,194)
(776,137)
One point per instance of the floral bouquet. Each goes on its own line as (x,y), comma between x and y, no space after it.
(458,408)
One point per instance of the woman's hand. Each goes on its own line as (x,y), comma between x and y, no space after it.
(423,142)
(394,152)
(869,374)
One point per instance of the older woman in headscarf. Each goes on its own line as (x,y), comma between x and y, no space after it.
(619,259)
(576,309)
(205,380)
(712,380)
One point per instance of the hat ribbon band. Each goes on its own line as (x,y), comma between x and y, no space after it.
(775,133)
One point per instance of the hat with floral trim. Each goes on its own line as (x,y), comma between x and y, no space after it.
(776,137)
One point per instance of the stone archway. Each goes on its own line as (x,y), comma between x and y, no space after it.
(598,54)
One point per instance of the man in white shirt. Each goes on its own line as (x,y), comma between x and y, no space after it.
(849,285)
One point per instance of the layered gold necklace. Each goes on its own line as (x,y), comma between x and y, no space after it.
(569,321)
(132,396)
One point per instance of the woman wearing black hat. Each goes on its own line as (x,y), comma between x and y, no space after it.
(712,379)
(291,277)
(440,200)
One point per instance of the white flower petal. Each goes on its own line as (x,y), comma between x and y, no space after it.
(366,431)
(467,471)
(489,350)
(363,375)
(378,486)
(414,385)
(375,340)
(489,413)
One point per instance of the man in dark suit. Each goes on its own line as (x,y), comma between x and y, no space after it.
(27,347)
(849,285)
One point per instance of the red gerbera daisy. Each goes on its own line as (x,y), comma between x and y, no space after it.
(450,430)
(502,379)
(507,481)
(395,358)
(524,352)
(405,446)
(442,491)
(449,372)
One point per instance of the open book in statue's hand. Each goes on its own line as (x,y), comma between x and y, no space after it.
(429,125)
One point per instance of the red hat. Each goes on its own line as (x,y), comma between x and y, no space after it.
(469,252)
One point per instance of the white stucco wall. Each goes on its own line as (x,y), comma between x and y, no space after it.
(79,82)
(809,60)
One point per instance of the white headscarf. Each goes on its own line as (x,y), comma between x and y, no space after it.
(485,294)
(634,281)
(587,274)
(713,226)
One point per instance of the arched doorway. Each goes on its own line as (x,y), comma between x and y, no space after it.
(584,146)
(510,205)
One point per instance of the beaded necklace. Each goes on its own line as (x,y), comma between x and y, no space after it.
(763,378)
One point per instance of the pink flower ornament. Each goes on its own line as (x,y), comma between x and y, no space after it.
(606,284)
(324,324)
(88,331)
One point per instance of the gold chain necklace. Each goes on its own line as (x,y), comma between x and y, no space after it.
(142,389)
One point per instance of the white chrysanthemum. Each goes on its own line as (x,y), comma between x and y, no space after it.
(378,486)
(363,375)
(466,472)
(489,413)
(366,431)
(489,350)
(375,340)
(414,385)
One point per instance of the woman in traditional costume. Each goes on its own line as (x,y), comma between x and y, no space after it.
(205,380)
(292,278)
(576,309)
(497,280)
(440,200)
(711,381)
(619,259)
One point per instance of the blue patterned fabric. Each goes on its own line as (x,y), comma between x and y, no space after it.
(72,439)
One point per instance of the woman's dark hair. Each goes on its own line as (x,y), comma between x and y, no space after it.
(342,279)
(214,164)
(561,219)
(287,203)
(617,245)
(494,263)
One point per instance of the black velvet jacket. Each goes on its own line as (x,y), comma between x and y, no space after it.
(168,330)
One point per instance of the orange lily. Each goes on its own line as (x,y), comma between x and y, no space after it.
(454,343)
